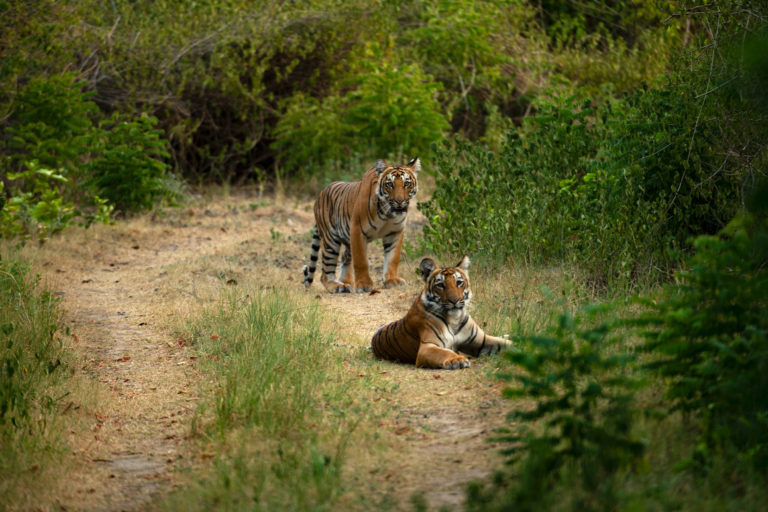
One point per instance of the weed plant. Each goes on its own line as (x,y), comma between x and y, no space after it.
(597,440)
(279,416)
(34,371)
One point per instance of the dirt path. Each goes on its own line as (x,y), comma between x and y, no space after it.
(121,285)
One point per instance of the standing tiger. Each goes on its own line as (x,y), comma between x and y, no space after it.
(350,215)
(438,324)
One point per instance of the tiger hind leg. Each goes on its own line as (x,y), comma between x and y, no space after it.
(328,276)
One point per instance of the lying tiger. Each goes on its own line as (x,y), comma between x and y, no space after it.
(350,215)
(438,324)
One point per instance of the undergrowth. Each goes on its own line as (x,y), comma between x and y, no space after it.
(35,369)
(278,414)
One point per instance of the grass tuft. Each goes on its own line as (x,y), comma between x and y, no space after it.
(279,416)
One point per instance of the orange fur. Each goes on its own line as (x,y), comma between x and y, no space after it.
(438,325)
(351,215)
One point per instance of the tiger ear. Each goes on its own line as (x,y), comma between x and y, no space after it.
(380,166)
(426,267)
(415,165)
(464,263)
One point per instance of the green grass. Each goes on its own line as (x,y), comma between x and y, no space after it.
(277,412)
(34,372)
(527,302)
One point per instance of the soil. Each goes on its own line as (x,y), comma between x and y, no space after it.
(124,288)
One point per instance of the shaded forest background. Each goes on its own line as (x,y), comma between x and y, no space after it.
(605,134)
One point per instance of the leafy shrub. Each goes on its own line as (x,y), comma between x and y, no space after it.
(710,338)
(507,203)
(128,168)
(580,431)
(619,43)
(390,112)
(63,164)
(482,53)
(36,205)
(52,123)
(618,187)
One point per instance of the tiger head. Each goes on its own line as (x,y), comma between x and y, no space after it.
(445,289)
(397,185)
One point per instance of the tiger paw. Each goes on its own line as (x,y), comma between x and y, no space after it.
(363,286)
(396,281)
(342,289)
(456,363)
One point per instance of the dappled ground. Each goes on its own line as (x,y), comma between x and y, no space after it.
(126,290)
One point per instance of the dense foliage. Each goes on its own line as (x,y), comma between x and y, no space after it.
(579,377)
(710,338)
(228,80)
(61,163)
(599,393)
(617,185)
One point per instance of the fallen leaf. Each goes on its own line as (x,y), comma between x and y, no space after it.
(374,292)
(215,336)
(402,430)
(123,359)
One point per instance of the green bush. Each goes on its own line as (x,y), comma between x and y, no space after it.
(390,112)
(621,43)
(128,166)
(579,434)
(709,337)
(63,163)
(36,205)
(617,188)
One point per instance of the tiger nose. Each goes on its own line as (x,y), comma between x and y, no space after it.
(455,299)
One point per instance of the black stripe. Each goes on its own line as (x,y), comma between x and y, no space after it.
(439,338)
(466,319)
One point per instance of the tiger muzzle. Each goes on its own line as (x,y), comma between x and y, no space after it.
(398,205)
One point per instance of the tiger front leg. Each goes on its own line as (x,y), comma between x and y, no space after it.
(432,356)
(345,269)
(359,249)
(392,247)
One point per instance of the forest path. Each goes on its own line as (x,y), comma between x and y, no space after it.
(122,286)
